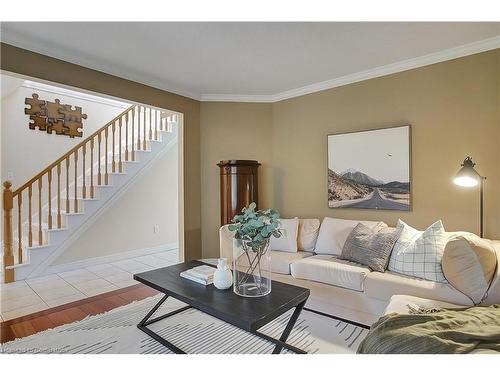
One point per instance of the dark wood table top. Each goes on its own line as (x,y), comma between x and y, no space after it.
(248,313)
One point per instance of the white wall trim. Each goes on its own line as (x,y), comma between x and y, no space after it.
(74,94)
(46,263)
(109,258)
(271,98)
(417,62)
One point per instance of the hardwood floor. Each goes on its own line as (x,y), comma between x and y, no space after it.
(72,312)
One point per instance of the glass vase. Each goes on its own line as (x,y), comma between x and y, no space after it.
(251,269)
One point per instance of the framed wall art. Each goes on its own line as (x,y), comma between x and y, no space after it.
(370,169)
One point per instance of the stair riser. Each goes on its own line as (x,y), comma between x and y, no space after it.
(40,258)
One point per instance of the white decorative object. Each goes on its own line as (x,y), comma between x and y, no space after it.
(223,277)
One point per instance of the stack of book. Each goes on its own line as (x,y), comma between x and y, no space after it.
(201,274)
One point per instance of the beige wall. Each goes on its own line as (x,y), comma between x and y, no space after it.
(128,224)
(32,64)
(498,115)
(231,131)
(453,108)
(26,152)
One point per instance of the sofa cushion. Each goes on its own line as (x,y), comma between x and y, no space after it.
(288,240)
(383,286)
(469,265)
(333,234)
(369,247)
(330,270)
(281,260)
(418,253)
(308,234)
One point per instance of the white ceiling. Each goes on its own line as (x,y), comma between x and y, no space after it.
(252,61)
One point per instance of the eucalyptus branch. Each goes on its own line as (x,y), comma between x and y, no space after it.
(253,230)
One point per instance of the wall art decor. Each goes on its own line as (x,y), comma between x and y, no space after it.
(54,117)
(370,169)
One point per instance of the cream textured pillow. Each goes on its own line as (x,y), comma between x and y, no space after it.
(288,241)
(334,232)
(308,234)
(469,264)
(419,253)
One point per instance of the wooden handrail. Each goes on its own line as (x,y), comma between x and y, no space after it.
(69,153)
(69,162)
(8,256)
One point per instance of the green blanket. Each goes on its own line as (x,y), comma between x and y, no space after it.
(435,331)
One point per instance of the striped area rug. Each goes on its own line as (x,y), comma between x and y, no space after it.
(191,330)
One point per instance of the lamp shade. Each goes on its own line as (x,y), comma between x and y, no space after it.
(467,175)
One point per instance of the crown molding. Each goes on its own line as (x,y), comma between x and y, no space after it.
(73,94)
(417,62)
(21,41)
(238,98)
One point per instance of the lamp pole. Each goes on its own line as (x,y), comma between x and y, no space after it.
(467,176)
(481,205)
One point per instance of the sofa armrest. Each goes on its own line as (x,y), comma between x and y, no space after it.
(226,243)
(493,294)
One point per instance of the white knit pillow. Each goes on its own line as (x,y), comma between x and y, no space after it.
(419,253)
(288,241)
(308,234)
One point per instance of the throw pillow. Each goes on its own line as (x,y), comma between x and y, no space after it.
(334,232)
(469,264)
(371,248)
(308,234)
(419,253)
(288,241)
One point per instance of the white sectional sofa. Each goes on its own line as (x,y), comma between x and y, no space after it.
(354,292)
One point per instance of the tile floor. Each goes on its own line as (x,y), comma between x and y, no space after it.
(32,295)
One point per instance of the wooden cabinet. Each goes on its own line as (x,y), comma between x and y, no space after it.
(238,187)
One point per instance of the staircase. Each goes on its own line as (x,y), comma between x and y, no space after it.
(48,213)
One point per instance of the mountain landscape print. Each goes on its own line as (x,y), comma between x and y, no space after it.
(370,169)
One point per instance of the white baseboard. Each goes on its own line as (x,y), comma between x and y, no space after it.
(108,258)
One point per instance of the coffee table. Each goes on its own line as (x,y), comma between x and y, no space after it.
(249,314)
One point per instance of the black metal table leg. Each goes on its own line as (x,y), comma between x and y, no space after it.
(145,322)
(280,344)
(289,327)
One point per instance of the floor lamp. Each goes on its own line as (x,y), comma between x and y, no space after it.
(467,176)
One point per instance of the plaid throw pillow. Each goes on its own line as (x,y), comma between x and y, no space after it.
(419,253)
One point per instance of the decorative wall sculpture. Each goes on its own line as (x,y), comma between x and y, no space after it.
(54,117)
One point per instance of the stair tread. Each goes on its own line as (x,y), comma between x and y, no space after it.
(117,158)
(46,227)
(75,213)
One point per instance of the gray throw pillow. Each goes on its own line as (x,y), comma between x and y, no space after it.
(368,247)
